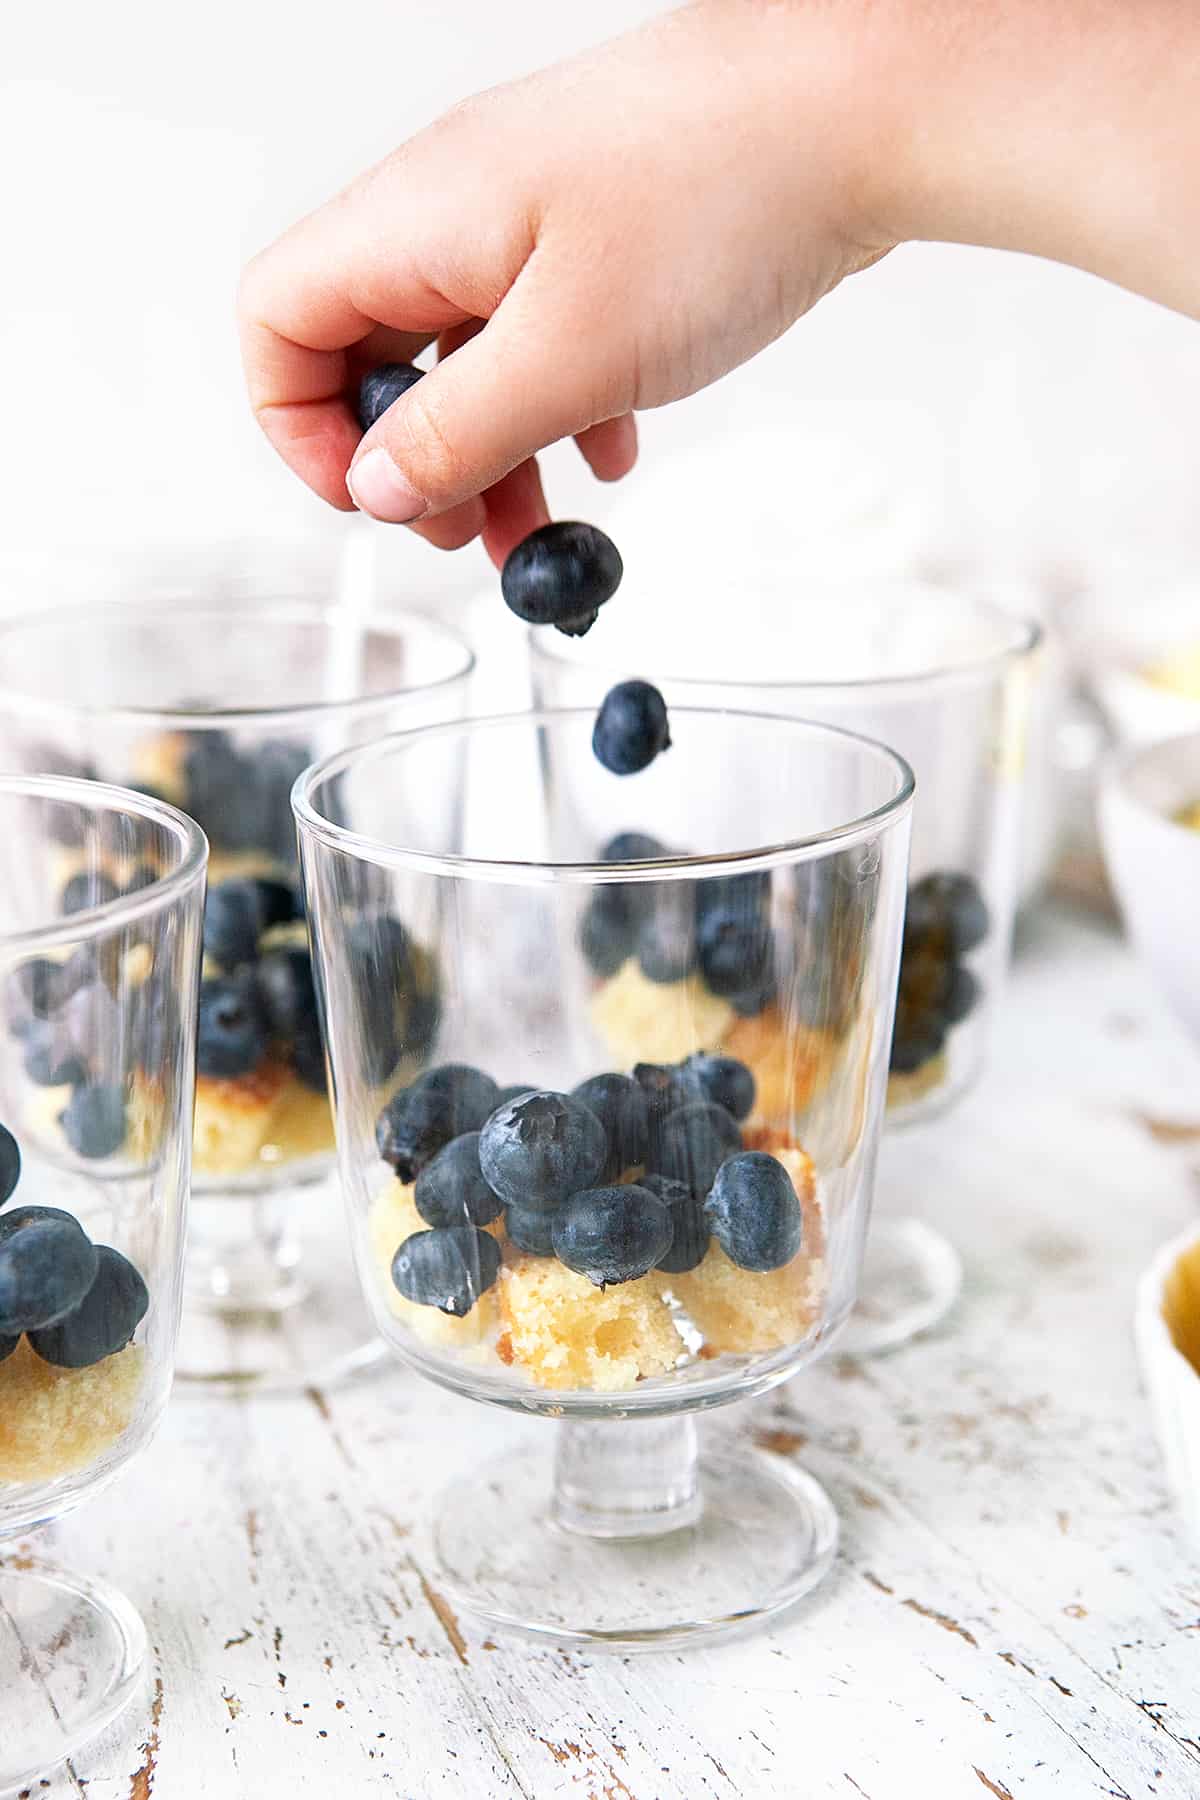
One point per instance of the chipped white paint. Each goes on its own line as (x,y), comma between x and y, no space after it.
(1014,1612)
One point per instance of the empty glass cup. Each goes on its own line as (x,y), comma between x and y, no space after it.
(943,678)
(565,1213)
(217,708)
(101,907)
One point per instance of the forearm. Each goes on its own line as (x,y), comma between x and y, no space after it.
(1066,128)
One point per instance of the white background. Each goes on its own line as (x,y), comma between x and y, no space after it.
(951,403)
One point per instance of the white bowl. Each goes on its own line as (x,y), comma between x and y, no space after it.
(1171,1286)
(1154,862)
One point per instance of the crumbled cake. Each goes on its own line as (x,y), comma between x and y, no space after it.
(566,1333)
(54,1421)
(790,1064)
(393,1218)
(661,1022)
(903,1090)
(258,1120)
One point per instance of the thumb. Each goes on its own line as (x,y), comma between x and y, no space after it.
(520,384)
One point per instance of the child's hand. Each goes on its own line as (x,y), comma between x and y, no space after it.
(630,225)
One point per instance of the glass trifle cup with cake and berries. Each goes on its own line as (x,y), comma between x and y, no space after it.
(97,1043)
(599,1233)
(944,677)
(216,707)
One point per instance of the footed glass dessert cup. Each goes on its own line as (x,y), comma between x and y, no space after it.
(942,677)
(97,1040)
(559,1213)
(217,708)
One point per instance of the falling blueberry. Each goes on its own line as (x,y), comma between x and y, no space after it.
(103,1322)
(381,387)
(754,1213)
(447,1268)
(631,728)
(561,575)
(612,1234)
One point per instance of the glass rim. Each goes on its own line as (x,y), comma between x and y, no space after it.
(397,623)
(532,873)
(96,921)
(1025,635)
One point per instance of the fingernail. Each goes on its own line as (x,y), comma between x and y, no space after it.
(377,487)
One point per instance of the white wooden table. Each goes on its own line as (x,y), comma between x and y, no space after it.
(1013,1613)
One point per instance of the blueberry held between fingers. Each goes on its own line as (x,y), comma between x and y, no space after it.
(441,1104)
(561,575)
(47,1265)
(694,1142)
(612,1234)
(93,1120)
(725,1081)
(382,387)
(447,1268)
(103,1322)
(10,1164)
(620,1105)
(689,1224)
(451,1189)
(537,1150)
(233,1033)
(631,728)
(754,1212)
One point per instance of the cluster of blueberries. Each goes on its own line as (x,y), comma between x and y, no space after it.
(553,1163)
(945,919)
(241,799)
(77,1302)
(262,999)
(720,927)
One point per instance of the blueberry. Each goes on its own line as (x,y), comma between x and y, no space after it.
(48,1057)
(308,1056)
(447,1268)
(47,1265)
(280,902)
(633,846)
(606,931)
(620,1105)
(7,1346)
(530,1231)
(612,1234)
(10,1164)
(386,994)
(561,575)
(919,1036)
(381,387)
(754,1213)
(33,991)
(667,1087)
(725,1081)
(220,792)
(441,1104)
(153,1025)
(93,1120)
(514,1091)
(450,1188)
(631,728)
(536,1151)
(233,1032)
(274,767)
(93,1024)
(103,1322)
(962,995)
(695,1142)
(90,887)
(233,920)
(755,1000)
(949,908)
(285,980)
(689,1224)
(666,936)
(734,934)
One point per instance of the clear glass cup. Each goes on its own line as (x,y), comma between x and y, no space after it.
(97,1035)
(216,708)
(591,1286)
(944,678)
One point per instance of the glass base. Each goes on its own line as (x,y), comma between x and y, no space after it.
(911,1277)
(764,1535)
(272,1302)
(71,1655)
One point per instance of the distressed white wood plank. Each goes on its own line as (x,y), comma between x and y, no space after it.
(1013,1613)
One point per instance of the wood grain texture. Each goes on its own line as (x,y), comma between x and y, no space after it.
(1013,1613)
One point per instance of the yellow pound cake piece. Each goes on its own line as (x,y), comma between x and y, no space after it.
(789,1066)
(739,1310)
(903,1090)
(393,1218)
(660,1022)
(569,1334)
(262,1119)
(53,1421)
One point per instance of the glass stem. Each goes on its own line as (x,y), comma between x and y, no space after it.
(241,1257)
(627,1478)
